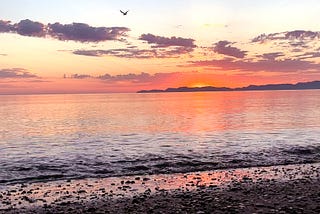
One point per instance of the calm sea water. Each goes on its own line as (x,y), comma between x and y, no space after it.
(48,137)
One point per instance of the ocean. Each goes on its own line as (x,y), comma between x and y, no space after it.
(72,136)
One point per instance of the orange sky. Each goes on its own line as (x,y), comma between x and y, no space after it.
(196,44)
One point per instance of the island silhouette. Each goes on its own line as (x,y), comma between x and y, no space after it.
(297,86)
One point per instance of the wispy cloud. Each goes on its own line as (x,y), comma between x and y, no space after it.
(269,65)
(271,56)
(309,55)
(137,53)
(79,76)
(142,77)
(16,73)
(75,32)
(161,47)
(121,53)
(288,35)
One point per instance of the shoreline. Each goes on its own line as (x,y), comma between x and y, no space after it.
(176,193)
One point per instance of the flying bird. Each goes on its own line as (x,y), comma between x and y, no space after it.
(124,13)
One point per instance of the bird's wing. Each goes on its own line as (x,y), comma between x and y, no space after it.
(121,11)
(127,11)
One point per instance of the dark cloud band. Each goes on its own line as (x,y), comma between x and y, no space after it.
(75,32)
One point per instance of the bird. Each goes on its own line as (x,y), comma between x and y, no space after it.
(124,13)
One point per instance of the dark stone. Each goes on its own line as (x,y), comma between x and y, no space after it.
(92,210)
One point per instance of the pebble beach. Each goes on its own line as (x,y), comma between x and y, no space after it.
(273,189)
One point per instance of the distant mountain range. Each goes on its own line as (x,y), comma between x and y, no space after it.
(298,86)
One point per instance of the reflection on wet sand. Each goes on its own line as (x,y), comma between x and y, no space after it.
(58,193)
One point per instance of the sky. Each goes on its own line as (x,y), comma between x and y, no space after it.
(82,46)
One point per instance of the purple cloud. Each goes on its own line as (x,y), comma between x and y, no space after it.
(96,53)
(172,52)
(224,47)
(270,65)
(177,51)
(302,34)
(75,32)
(299,43)
(30,28)
(271,56)
(16,73)
(5,26)
(161,41)
(143,77)
(309,55)
(121,53)
(80,76)
(288,35)
(85,33)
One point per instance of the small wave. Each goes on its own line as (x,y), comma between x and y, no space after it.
(21,168)
(145,158)
(299,150)
(34,179)
(166,146)
(163,165)
(195,163)
(236,161)
(46,167)
(103,171)
(127,161)
(138,168)
(156,163)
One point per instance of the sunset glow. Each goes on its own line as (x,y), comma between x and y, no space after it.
(194,43)
(171,106)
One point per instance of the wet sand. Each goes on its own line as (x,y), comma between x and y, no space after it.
(275,189)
